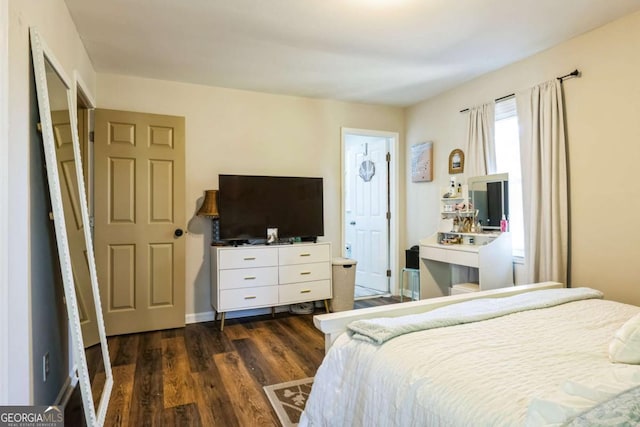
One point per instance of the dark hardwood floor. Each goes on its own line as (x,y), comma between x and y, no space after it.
(200,376)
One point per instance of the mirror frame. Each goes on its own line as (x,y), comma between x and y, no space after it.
(41,53)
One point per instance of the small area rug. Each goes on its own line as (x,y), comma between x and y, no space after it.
(288,399)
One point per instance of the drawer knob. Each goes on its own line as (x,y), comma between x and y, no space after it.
(250,297)
(250,278)
(250,258)
(304,273)
(305,254)
(305,291)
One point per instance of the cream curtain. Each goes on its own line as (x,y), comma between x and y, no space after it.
(481,154)
(544,182)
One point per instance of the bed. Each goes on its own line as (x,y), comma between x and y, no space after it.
(537,356)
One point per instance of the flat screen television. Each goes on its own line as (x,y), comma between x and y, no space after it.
(248,205)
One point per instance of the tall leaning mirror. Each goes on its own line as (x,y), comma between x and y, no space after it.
(63,156)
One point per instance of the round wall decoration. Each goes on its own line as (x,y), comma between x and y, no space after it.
(367,170)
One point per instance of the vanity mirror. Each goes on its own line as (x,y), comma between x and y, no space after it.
(70,216)
(489,194)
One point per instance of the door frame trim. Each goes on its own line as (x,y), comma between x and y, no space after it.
(79,89)
(394,190)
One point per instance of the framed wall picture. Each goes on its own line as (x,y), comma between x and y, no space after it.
(422,162)
(456,161)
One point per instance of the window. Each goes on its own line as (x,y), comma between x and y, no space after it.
(507,145)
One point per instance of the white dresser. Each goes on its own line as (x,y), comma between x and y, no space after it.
(247,277)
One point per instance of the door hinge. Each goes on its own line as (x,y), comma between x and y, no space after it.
(388,157)
(388,215)
(92,135)
(388,273)
(91,221)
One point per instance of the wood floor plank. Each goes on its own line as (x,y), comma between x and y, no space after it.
(279,357)
(172,333)
(249,402)
(151,340)
(199,355)
(255,362)
(208,338)
(199,347)
(176,379)
(97,387)
(219,341)
(236,332)
(121,396)
(214,403)
(183,416)
(95,363)
(127,350)
(113,344)
(306,343)
(147,402)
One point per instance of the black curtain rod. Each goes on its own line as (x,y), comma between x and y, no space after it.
(574,73)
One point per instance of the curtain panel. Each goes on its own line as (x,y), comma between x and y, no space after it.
(544,181)
(481,153)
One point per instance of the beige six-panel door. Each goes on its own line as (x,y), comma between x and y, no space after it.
(75,227)
(139,208)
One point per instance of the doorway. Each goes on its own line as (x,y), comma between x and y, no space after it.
(368,226)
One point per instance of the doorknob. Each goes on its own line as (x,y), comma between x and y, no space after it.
(179,232)
(352,223)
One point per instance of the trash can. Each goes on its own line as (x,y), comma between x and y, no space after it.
(344,283)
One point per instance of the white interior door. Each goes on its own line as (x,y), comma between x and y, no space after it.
(366,205)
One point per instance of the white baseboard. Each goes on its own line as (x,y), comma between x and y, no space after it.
(205,316)
(66,391)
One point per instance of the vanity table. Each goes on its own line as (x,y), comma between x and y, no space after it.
(487,261)
(453,261)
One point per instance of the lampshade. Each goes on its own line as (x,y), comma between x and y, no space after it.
(210,204)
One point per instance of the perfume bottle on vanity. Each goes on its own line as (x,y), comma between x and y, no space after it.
(504,224)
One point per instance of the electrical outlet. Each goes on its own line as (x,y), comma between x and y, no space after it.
(45,367)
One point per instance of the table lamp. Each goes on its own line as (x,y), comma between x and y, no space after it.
(209,209)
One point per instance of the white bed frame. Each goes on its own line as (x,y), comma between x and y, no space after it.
(333,324)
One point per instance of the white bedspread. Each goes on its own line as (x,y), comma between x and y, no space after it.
(381,330)
(528,368)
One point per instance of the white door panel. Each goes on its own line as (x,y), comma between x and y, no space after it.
(366,226)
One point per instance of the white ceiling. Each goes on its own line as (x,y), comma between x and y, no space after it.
(395,52)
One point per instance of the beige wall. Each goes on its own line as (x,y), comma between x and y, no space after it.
(28,339)
(241,132)
(603,126)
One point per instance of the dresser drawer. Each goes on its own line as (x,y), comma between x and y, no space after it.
(304,254)
(308,291)
(246,258)
(470,259)
(248,277)
(238,299)
(435,254)
(304,272)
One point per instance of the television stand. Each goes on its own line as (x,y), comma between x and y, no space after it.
(236,243)
(249,277)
